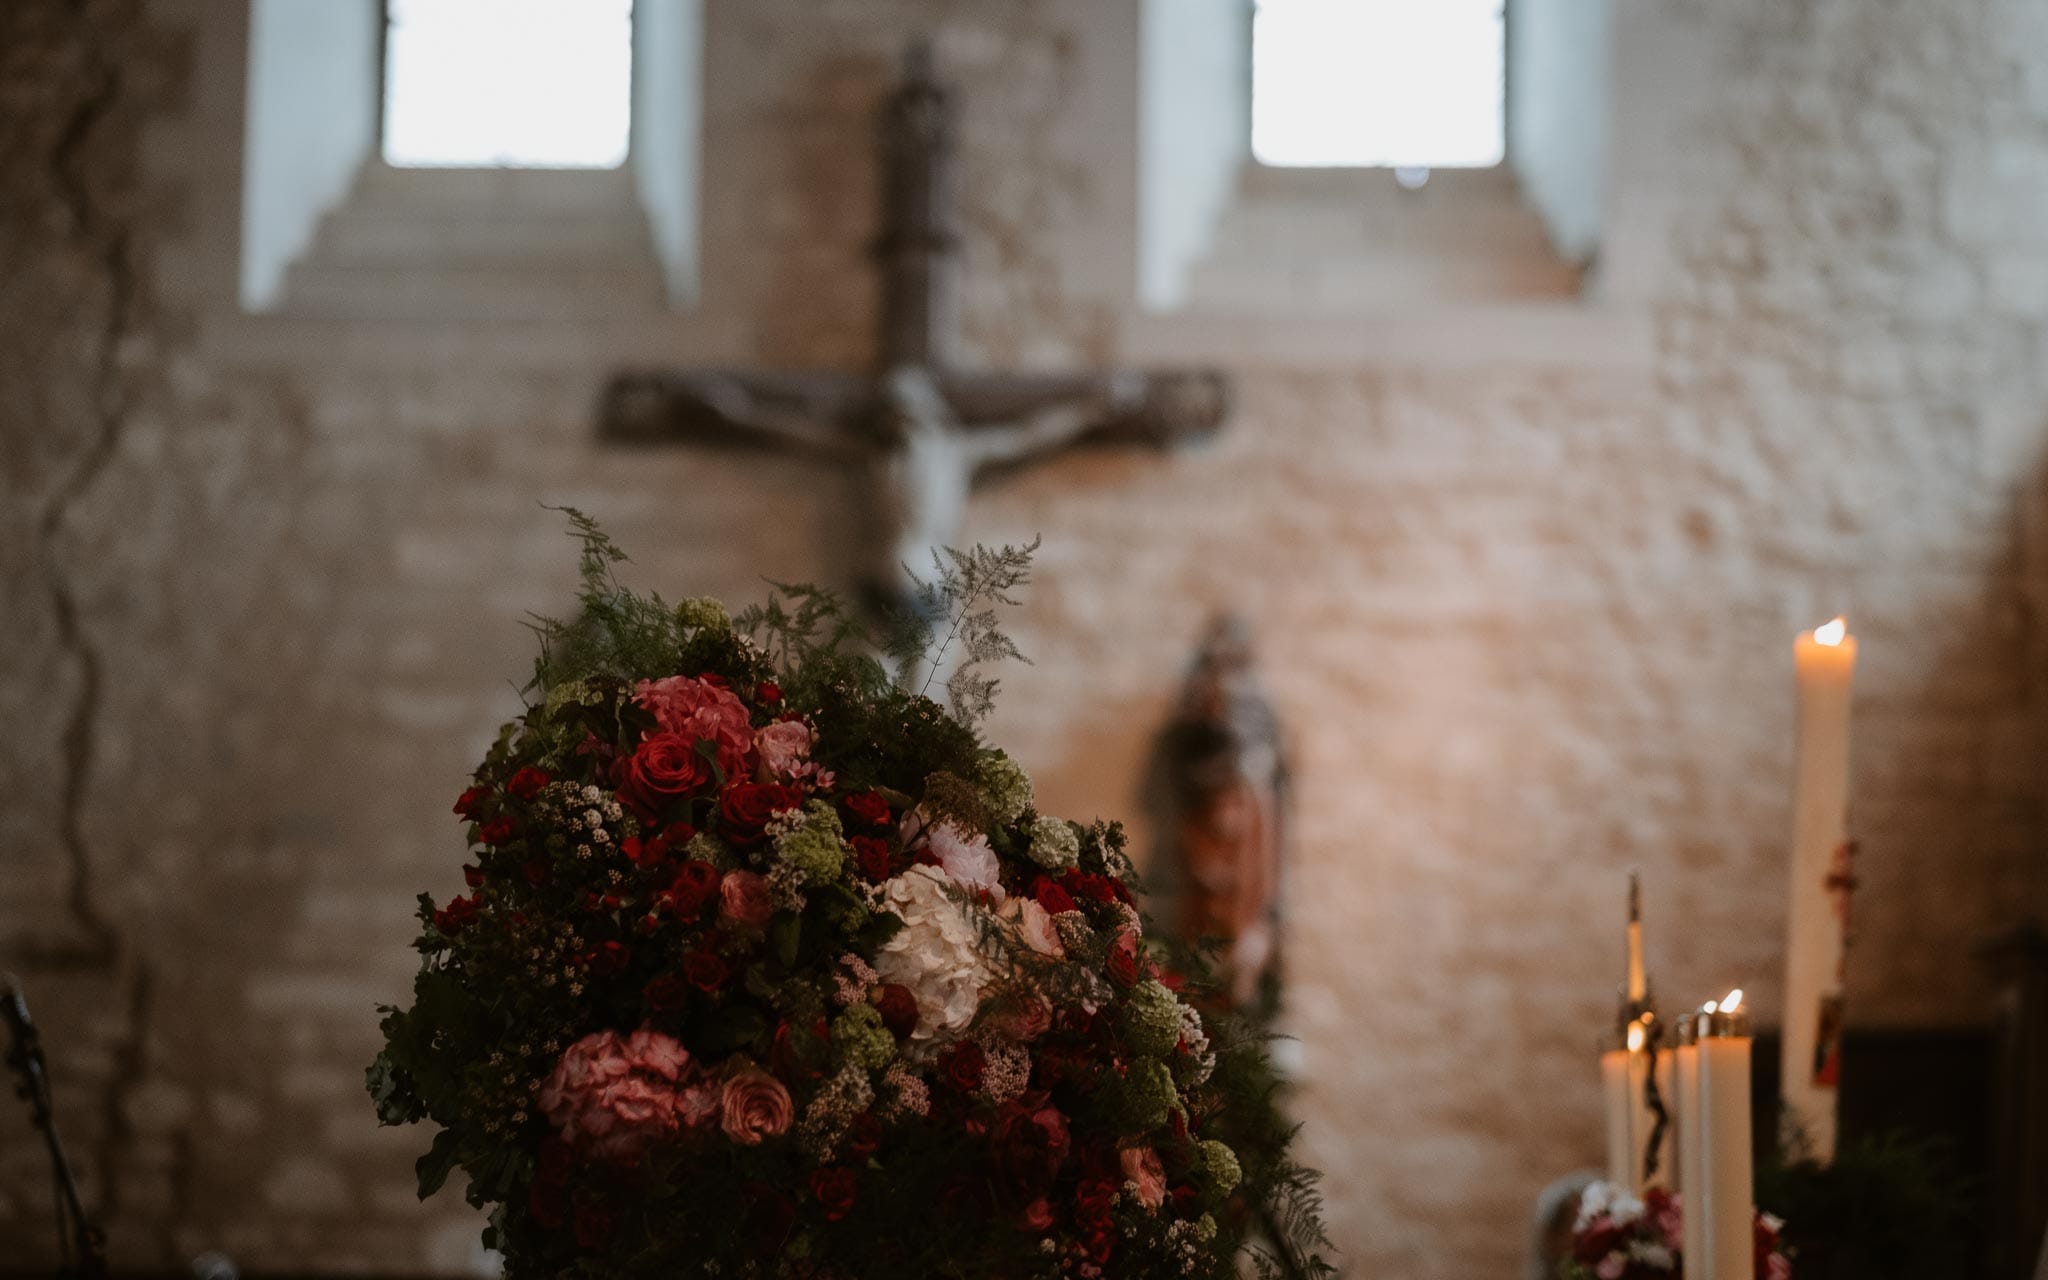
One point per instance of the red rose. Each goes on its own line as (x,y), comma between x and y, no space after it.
(472,875)
(467,804)
(1031,1143)
(607,958)
(535,871)
(872,856)
(833,1189)
(593,1224)
(745,807)
(898,1007)
(499,831)
(768,691)
(526,783)
(650,852)
(548,1202)
(666,993)
(962,1066)
(455,917)
(706,970)
(663,768)
(1037,1217)
(1123,959)
(1186,1202)
(1054,899)
(868,806)
(1093,1201)
(694,883)
(1092,887)
(863,1136)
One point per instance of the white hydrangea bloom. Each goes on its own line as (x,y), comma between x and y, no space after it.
(965,855)
(936,954)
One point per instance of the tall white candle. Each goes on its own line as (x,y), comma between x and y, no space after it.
(1825,661)
(1630,1122)
(1614,1099)
(1642,1121)
(1720,1238)
(1689,1181)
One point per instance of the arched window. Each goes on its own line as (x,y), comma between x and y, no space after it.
(1401,84)
(507,83)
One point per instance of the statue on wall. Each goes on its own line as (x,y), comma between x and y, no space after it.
(1217,791)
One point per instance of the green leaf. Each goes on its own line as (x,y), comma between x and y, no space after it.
(783,936)
(733,1027)
(435,1166)
(709,750)
(391,1090)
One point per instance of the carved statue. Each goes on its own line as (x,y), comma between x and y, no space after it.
(1217,790)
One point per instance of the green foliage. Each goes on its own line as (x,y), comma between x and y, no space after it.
(965,589)
(1888,1206)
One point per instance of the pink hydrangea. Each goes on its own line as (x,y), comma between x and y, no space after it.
(615,1096)
(701,712)
(784,749)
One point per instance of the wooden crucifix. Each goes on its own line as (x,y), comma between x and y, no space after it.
(920,430)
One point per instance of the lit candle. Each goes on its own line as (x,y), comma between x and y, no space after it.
(1720,1232)
(1821,874)
(1687,1178)
(1614,1094)
(1624,1071)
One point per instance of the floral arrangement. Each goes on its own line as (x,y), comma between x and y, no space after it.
(769,967)
(1620,1237)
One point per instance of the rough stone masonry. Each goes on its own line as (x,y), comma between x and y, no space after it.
(1525,614)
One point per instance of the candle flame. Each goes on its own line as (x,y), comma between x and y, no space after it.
(1635,1037)
(1831,633)
(1732,999)
(1711,1006)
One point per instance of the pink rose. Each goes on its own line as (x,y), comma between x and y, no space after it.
(783,747)
(743,897)
(754,1106)
(615,1096)
(1030,1019)
(1034,923)
(1141,1166)
(701,712)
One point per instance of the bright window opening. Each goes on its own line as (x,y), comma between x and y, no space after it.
(1406,84)
(508,83)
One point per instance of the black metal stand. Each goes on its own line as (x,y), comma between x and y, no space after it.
(81,1247)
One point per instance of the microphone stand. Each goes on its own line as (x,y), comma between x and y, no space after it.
(81,1247)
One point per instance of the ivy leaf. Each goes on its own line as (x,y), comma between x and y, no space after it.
(392,1091)
(435,1166)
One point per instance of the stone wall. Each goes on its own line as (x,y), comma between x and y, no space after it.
(1525,607)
